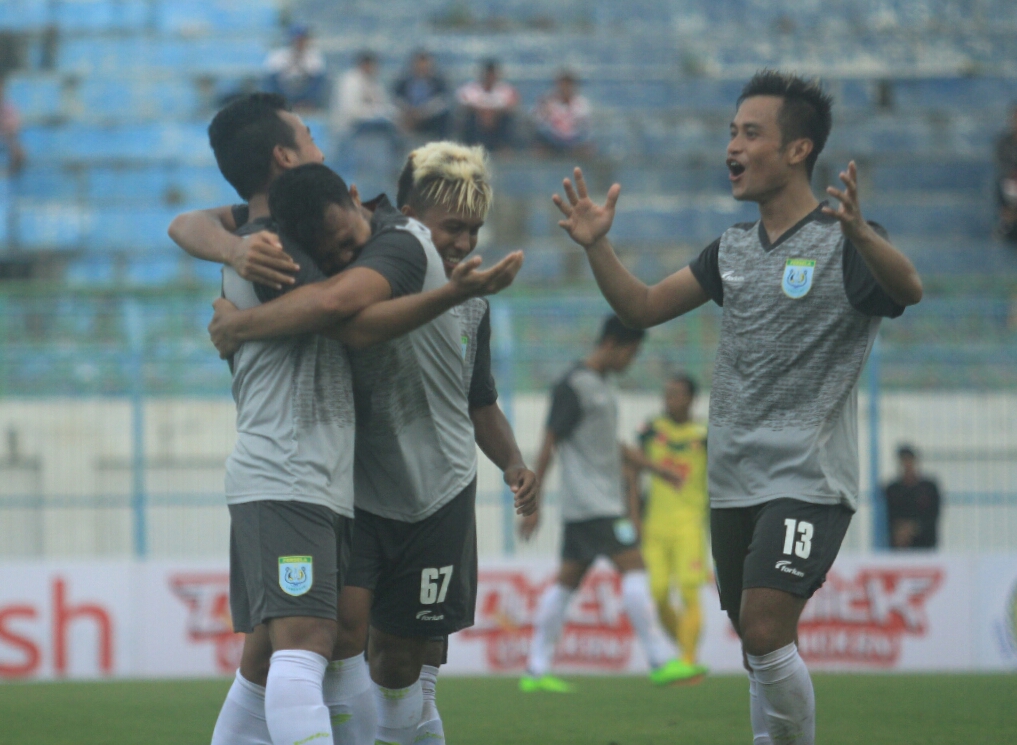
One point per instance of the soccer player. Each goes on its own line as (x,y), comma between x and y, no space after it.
(414,562)
(582,427)
(672,447)
(803,290)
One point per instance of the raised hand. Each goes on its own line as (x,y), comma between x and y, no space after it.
(849,213)
(523,483)
(585,222)
(259,257)
(219,328)
(472,282)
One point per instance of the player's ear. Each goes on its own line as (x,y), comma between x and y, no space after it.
(799,150)
(283,157)
(407,210)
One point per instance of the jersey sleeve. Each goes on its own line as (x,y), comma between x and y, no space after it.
(241,214)
(483,391)
(566,411)
(307,274)
(863,291)
(399,258)
(706,269)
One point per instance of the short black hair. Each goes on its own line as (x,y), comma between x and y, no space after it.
(298,199)
(906,451)
(806,111)
(688,380)
(244,134)
(618,332)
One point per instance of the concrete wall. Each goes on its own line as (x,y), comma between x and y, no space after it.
(65,472)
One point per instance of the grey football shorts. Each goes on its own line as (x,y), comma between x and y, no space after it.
(286,559)
(585,540)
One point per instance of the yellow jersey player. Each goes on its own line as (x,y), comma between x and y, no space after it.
(673,450)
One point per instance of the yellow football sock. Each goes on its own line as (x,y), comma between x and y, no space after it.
(689,624)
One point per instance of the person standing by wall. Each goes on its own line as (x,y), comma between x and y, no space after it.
(913,505)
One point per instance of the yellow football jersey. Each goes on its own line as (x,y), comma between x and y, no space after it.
(682,448)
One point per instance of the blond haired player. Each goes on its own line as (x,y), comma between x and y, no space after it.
(673,448)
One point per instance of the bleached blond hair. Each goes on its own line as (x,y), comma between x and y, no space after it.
(448,174)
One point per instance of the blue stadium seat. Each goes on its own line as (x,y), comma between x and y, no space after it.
(91,270)
(966,177)
(36,96)
(80,16)
(23,15)
(52,225)
(971,218)
(154,271)
(136,99)
(212,16)
(201,187)
(145,186)
(130,230)
(48,182)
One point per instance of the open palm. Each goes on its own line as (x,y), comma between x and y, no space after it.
(585,222)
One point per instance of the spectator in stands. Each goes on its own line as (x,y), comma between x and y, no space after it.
(422,97)
(10,126)
(488,109)
(297,72)
(1006,179)
(912,505)
(360,104)
(562,118)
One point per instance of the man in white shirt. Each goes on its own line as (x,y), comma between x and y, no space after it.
(297,72)
(360,103)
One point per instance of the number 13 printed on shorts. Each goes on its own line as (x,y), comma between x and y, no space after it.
(803,546)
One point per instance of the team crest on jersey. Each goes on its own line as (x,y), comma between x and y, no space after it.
(797,280)
(625,531)
(296,574)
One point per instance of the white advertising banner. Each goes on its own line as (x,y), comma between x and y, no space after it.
(150,619)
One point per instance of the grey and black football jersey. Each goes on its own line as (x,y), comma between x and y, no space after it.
(295,413)
(415,446)
(584,420)
(799,320)
(475,325)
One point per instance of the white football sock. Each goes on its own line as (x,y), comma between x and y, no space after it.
(294,705)
(785,688)
(242,717)
(398,714)
(430,729)
(550,618)
(349,696)
(760,735)
(642,613)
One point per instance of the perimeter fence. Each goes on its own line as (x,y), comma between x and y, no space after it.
(116,416)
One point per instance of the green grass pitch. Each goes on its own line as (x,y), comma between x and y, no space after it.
(899,709)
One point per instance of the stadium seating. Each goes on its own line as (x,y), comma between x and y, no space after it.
(117,145)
